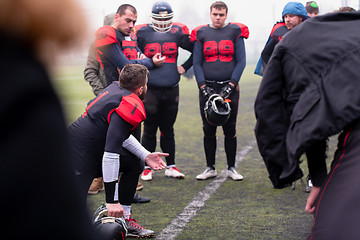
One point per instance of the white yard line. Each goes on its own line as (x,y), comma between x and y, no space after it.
(190,211)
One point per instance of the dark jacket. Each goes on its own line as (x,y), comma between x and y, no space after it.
(310,90)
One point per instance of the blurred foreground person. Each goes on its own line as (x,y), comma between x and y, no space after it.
(309,92)
(39,193)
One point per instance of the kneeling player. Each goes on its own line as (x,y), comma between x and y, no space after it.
(98,135)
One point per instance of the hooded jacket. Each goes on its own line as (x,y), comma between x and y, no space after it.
(310,90)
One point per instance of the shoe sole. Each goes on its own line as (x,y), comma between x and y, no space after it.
(178,177)
(137,236)
(206,178)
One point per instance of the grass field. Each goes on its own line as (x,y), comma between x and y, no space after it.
(250,209)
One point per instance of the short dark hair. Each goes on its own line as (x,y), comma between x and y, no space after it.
(121,10)
(133,76)
(219,5)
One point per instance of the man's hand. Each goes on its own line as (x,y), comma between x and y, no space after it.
(227,90)
(154,160)
(206,91)
(181,70)
(310,203)
(158,60)
(115,210)
(140,56)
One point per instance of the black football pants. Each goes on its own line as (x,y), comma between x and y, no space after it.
(161,106)
(229,128)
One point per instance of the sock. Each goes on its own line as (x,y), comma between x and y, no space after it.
(210,150)
(230,150)
(127,210)
(173,165)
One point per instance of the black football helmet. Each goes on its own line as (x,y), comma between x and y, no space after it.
(161,16)
(217,110)
(110,227)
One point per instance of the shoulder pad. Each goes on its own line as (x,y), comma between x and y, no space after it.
(278,31)
(138,27)
(194,32)
(104,36)
(131,109)
(244,30)
(183,27)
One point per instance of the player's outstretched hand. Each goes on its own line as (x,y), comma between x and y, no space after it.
(158,60)
(154,160)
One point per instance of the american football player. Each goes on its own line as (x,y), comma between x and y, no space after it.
(163,37)
(219,60)
(98,137)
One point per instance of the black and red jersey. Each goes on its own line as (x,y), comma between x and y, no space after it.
(278,31)
(94,122)
(167,43)
(219,53)
(114,51)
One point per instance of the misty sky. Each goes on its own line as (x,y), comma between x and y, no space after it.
(258,15)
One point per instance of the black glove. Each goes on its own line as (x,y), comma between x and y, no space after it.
(207,91)
(226,91)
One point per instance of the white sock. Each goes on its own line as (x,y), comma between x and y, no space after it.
(170,166)
(127,210)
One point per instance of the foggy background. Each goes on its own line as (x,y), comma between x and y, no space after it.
(258,15)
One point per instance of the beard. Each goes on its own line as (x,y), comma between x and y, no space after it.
(142,95)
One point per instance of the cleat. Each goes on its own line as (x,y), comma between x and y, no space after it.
(174,172)
(139,199)
(139,187)
(146,175)
(97,185)
(208,173)
(135,230)
(234,175)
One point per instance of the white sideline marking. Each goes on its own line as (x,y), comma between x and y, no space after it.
(190,211)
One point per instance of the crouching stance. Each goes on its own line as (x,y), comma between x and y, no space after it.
(100,137)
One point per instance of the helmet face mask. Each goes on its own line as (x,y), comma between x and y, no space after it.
(217,110)
(161,17)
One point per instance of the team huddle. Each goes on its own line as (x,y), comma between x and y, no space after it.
(140,83)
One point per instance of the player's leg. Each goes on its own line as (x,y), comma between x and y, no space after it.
(230,140)
(131,168)
(151,123)
(209,143)
(168,110)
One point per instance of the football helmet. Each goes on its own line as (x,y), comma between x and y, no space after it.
(217,110)
(112,228)
(161,16)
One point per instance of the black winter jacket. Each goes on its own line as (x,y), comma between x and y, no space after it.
(310,90)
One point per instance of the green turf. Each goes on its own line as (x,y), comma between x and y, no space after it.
(250,209)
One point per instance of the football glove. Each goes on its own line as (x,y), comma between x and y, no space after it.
(207,91)
(226,91)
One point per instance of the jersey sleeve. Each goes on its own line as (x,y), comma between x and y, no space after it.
(105,36)
(278,31)
(132,110)
(244,30)
(194,34)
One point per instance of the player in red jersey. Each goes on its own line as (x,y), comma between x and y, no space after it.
(98,137)
(219,60)
(162,99)
(116,45)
